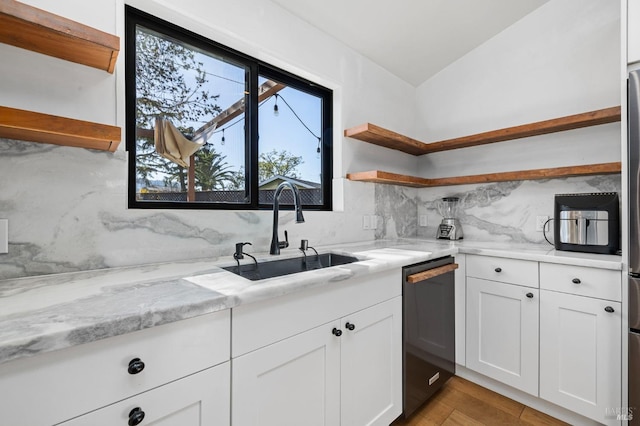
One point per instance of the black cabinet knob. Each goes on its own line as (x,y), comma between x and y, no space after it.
(135,366)
(609,309)
(350,326)
(576,281)
(498,269)
(530,295)
(136,416)
(336,332)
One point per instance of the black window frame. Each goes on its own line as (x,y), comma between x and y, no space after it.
(256,68)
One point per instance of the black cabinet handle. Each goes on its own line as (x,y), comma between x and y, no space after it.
(336,332)
(136,416)
(530,295)
(350,326)
(609,309)
(135,366)
(498,269)
(576,281)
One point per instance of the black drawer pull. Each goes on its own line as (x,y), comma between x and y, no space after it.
(498,270)
(136,416)
(135,366)
(530,295)
(350,326)
(609,309)
(576,281)
(336,332)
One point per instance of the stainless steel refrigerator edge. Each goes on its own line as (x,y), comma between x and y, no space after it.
(634,244)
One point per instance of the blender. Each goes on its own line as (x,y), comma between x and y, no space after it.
(450,227)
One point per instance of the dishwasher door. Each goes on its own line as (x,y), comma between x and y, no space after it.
(428,330)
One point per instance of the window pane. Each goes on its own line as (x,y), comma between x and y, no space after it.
(188,101)
(290,144)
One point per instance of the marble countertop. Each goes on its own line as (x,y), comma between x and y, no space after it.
(50,312)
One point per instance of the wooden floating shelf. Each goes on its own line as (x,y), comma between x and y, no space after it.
(377,176)
(35,29)
(36,127)
(378,136)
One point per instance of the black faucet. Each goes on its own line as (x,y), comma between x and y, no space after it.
(275,244)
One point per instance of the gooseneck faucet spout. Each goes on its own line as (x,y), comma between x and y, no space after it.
(275,244)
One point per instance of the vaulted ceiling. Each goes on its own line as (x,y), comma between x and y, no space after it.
(413,39)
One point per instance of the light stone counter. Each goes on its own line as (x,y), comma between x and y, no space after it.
(46,313)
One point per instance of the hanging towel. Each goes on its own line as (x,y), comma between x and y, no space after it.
(171,144)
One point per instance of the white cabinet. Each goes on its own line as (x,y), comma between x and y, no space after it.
(580,354)
(580,340)
(201,399)
(510,271)
(291,382)
(70,382)
(371,365)
(347,371)
(502,332)
(322,357)
(573,322)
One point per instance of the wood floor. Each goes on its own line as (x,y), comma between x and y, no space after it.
(461,402)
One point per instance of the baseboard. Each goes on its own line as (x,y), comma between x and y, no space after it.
(524,398)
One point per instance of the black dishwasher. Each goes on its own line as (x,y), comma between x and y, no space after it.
(428,330)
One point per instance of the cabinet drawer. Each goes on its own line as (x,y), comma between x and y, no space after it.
(198,400)
(582,280)
(69,382)
(511,271)
(262,323)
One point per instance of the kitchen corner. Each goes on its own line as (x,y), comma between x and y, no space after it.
(425,253)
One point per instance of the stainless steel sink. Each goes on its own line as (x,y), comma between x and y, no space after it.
(278,268)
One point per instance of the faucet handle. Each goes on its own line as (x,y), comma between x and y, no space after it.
(285,243)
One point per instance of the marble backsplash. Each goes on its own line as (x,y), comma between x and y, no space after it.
(67,212)
(502,211)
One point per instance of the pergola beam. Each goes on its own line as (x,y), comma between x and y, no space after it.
(266,89)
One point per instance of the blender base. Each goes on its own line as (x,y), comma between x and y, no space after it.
(449,229)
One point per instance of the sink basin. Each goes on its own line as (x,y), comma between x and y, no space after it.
(278,268)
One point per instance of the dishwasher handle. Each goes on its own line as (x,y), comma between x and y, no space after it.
(430,273)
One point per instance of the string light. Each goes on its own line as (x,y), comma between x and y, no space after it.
(275,106)
(276,112)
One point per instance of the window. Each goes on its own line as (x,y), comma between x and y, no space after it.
(211,128)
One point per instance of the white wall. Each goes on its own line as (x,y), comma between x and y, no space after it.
(562,59)
(67,206)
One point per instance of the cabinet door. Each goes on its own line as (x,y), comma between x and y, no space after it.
(502,332)
(580,354)
(201,399)
(292,382)
(371,364)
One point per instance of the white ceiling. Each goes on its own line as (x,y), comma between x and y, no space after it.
(413,39)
